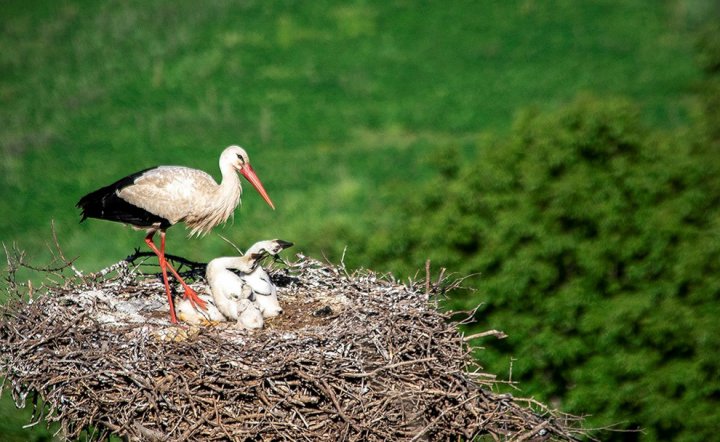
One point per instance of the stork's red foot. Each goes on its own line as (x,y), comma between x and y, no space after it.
(191,295)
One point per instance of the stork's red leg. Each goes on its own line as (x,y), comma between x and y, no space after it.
(190,294)
(163,267)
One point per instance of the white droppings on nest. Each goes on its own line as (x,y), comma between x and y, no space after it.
(116,305)
(288,336)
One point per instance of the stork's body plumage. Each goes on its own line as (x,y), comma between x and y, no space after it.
(155,199)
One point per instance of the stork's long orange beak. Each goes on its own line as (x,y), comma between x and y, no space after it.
(249,173)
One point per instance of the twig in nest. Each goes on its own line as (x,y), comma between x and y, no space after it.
(12,267)
(179,259)
(68,263)
(196,269)
(497,333)
(427,277)
(232,244)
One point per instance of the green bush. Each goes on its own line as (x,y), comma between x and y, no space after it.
(708,58)
(597,248)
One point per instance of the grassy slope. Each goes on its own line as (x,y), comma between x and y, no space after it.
(338,103)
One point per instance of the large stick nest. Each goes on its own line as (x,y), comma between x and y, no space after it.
(354,357)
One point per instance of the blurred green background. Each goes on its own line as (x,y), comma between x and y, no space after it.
(564,152)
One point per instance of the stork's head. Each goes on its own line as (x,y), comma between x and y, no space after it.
(237,158)
(268,247)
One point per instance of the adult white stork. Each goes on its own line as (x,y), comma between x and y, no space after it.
(157,198)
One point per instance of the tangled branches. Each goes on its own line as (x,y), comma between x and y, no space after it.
(355,357)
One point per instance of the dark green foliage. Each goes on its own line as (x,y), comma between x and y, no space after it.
(708,48)
(708,56)
(597,244)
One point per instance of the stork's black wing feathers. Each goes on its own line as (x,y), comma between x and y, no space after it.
(105,204)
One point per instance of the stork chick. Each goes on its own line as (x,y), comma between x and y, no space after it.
(231,295)
(251,282)
(264,291)
(186,312)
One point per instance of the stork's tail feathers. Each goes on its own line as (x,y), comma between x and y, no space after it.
(105,204)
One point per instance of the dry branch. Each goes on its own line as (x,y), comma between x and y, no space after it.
(355,357)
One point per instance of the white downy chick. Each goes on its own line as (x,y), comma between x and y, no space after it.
(249,315)
(230,293)
(189,314)
(264,292)
(250,283)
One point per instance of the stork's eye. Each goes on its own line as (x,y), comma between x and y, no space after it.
(242,160)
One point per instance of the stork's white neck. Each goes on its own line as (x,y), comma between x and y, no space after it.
(230,189)
(222,264)
(219,205)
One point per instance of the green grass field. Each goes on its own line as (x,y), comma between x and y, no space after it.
(341,105)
